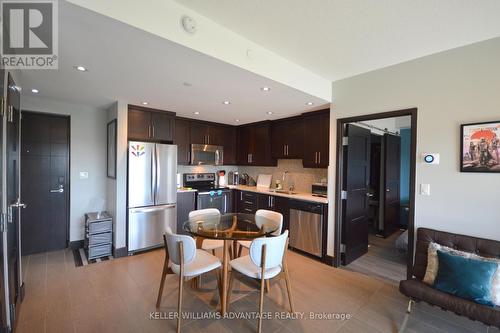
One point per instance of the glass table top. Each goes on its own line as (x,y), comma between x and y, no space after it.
(235,226)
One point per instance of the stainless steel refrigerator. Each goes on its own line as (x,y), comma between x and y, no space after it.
(152,193)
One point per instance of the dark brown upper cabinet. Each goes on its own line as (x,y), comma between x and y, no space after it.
(150,125)
(254,145)
(316,139)
(183,141)
(287,138)
(200,133)
(218,135)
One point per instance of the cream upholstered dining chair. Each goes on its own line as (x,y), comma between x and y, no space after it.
(187,262)
(266,260)
(208,244)
(260,216)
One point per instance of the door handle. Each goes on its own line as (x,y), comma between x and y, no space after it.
(152,209)
(59,190)
(18,204)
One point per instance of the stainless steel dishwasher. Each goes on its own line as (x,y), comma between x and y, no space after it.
(306,227)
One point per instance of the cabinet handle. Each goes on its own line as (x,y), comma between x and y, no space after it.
(315,157)
(269,201)
(149,131)
(189,156)
(284,150)
(287,150)
(153,131)
(319,157)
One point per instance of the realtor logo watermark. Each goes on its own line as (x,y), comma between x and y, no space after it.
(29,38)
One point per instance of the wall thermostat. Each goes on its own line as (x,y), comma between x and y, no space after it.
(430,158)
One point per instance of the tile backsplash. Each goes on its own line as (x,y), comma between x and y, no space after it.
(300,177)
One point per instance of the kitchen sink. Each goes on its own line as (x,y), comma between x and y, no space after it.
(284,192)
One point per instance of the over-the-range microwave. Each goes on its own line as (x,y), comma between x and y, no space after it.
(207,154)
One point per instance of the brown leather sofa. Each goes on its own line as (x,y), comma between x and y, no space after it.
(416,290)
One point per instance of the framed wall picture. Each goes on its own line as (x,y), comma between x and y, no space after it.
(480,149)
(111,153)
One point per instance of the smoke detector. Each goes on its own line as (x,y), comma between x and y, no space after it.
(188,24)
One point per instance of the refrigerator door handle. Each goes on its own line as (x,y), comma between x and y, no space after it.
(153,175)
(151,209)
(157,172)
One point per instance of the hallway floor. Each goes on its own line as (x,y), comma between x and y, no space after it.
(383,260)
(119,295)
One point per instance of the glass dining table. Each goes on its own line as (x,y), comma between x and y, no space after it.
(229,228)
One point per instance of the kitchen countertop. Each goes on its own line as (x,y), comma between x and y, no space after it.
(299,196)
(183,190)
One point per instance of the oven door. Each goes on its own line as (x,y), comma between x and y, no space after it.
(207,154)
(222,200)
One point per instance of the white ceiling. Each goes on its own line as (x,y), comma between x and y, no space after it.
(129,64)
(339,38)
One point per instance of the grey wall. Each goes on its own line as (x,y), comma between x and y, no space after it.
(88,153)
(117,188)
(450,88)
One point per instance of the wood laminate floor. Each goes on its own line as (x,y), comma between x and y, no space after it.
(119,295)
(383,260)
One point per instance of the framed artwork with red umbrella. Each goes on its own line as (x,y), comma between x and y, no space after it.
(480,149)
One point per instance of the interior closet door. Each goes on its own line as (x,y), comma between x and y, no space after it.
(356,186)
(391,183)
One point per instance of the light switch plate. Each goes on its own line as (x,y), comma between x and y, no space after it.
(425,189)
(84,175)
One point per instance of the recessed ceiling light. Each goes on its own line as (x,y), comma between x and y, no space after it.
(145,103)
(265,88)
(196,113)
(187,84)
(80,68)
(309,103)
(226,102)
(237,120)
(34,91)
(269,112)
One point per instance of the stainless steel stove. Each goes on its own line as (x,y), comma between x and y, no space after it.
(209,195)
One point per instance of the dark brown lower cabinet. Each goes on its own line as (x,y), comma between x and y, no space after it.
(186,202)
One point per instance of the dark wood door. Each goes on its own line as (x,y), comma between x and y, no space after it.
(139,125)
(279,134)
(316,140)
(392,177)
(312,140)
(244,134)
(182,139)
(162,127)
(14,204)
(265,201)
(199,133)
(186,202)
(288,138)
(324,147)
(45,182)
(229,143)
(260,145)
(356,185)
(281,205)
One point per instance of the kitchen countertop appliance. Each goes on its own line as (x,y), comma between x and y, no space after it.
(320,190)
(210,194)
(152,193)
